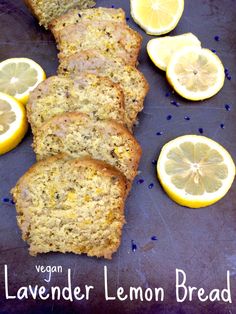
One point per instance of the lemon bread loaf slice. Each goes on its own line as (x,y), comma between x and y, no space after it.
(74,205)
(76,16)
(79,136)
(132,81)
(114,39)
(98,97)
(47,10)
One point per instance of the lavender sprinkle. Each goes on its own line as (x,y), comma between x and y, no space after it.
(133,246)
(200,130)
(175,103)
(140,181)
(227,107)
(5,200)
(151,186)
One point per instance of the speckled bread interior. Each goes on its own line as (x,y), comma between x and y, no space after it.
(114,39)
(98,97)
(76,16)
(47,10)
(78,136)
(71,206)
(132,81)
(73,198)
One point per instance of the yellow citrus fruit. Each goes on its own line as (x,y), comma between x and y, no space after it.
(157,17)
(19,76)
(195,171)
(195,73)
(13,123)
(161,49)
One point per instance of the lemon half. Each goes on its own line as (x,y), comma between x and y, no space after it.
(195,171)
(19,76)
(195,73)
(161,49)
(13,123)
(157,17)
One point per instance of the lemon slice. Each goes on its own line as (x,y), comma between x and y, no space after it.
(195,171)
(161,49)
(195,73)
(157,17)
(13,123)
(19,76)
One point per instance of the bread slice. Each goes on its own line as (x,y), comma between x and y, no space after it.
(114,39)
(79,136)
(76,16)
(133,82)
(74,205)
(45,11)
(99,97)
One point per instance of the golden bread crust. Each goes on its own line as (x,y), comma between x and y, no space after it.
(114,39)
(131,80)
(34,216)
(46,11)
(96,96)
(106,140)
(76,16)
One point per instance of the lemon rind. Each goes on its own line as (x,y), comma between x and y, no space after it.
(178,195)
(155,42)
(16,133)
(160,31)
(23,98)
(183,91)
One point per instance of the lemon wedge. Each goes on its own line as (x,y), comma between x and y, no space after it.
(195,171)
(19,76)
(157,17)
(195,73)
(161,49)
(13,123)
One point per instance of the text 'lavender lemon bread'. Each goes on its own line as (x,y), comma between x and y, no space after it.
(99,97)
(76,16)
(132,81)
(78,136)
(114,39)
(74,205)
(47,10)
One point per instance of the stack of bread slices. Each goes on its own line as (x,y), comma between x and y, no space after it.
(72,199)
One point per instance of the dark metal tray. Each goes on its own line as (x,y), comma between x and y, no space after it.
(201,242)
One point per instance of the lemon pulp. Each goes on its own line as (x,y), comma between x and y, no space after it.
(195,171)
(195,73)
(13,123)
(157,17)
(19,76)
(161,49)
